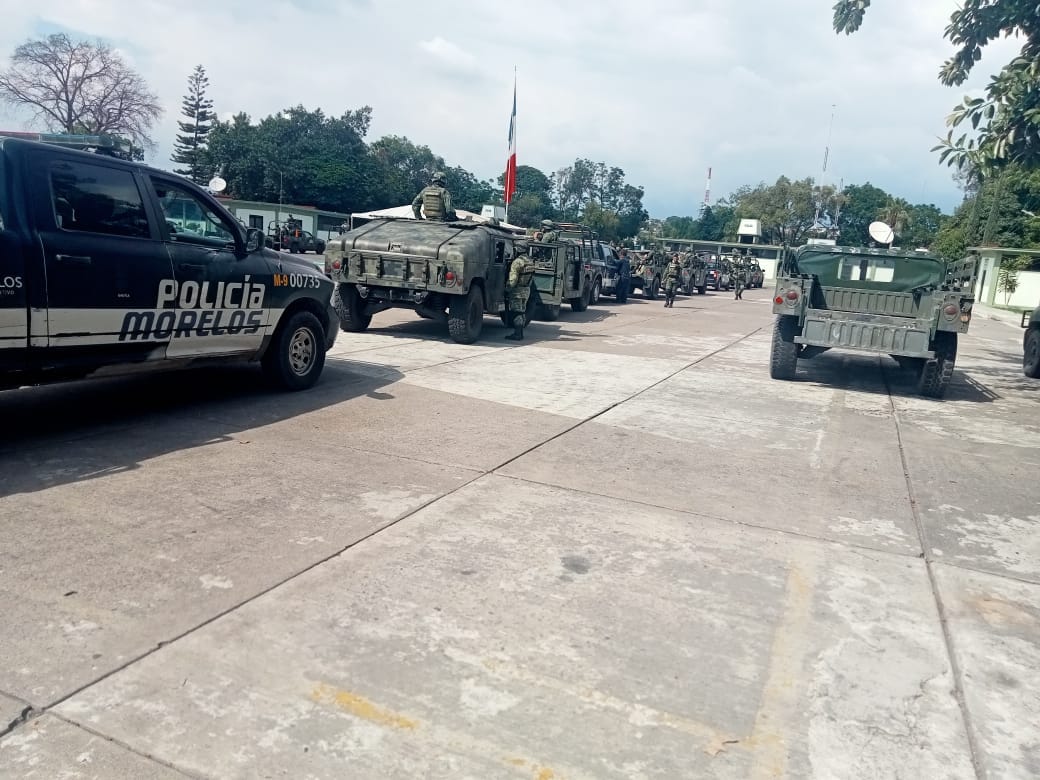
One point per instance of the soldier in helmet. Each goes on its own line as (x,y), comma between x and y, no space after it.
(549,232)
(672,277)
(434,201)
(518,289)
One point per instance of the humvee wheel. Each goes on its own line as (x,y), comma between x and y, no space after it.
(581,303)
(550,313)
(466,316)
(783,357)
(651,290)
(596,294)
(347,303)
(936,373)
(1031,356)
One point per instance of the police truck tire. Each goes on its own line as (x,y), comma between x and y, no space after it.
(466,316)
(347,303)
(937,373)
(296,355)
(1031,353)
(597,293)
(783,357)
(703,289)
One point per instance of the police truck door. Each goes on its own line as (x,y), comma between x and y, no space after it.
(219,290)
(102,256)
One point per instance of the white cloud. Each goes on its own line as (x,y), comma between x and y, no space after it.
(661,88)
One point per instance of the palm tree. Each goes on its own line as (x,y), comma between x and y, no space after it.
(896,214)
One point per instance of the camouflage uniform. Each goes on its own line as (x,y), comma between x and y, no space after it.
(549,233)
(739,281)
(672,278)
(434,201)
(518,290)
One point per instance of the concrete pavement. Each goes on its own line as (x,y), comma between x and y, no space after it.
(619,550)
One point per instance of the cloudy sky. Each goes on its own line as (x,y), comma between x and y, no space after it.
(661,88)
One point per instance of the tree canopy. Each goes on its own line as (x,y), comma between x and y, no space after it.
(1005,124)
(80,87)
(190,147)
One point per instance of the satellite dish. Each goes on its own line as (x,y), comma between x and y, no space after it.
(217,184)
(881,232)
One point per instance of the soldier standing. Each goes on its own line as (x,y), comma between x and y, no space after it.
(624,280)
(550,234)
(518,290)
(672,277)
(739,281)
(434,200)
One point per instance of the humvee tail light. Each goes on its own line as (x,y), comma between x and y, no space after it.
(792,296)
(950,310)
(778,299)
(336,264)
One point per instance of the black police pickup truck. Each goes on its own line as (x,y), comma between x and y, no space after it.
(109,266)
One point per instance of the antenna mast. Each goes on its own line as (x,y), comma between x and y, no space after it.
(707,192)
(823,175)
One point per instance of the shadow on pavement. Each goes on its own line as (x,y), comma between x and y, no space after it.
(61,433)
(869,374)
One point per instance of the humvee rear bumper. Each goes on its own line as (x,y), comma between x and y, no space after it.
(867,332)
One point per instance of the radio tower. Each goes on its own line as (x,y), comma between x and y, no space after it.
(707,193)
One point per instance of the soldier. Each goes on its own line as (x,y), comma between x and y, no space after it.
(518,290)
(434,201)
(549,233)
(740,278)
(624,280)
(672,277)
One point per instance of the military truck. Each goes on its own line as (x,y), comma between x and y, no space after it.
(1031,344)
(694,274)
(647,270)
(586,266)
(451,272)
(908,304)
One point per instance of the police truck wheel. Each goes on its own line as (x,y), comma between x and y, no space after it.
(581,303)
(296,355)
(1031,356)
(348,305)
(597,293)
(783,357)
(937,373)
(466,316)
(702,290)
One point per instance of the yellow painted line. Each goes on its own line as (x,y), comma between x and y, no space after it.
(360,707)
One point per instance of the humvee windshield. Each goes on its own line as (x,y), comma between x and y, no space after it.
(871,271)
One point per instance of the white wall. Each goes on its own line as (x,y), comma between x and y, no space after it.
(244,213)
(1027,296)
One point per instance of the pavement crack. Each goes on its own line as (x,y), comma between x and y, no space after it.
(27,713)
(940,606)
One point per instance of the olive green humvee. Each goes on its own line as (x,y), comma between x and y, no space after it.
(908,304)
(451,272)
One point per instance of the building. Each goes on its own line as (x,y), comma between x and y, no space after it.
(1026,295)
(254,214)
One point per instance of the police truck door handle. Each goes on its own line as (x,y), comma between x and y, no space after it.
(81,259)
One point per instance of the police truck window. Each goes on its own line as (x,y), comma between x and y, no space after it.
(95,199)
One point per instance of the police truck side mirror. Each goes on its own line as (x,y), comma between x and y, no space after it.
(254,240)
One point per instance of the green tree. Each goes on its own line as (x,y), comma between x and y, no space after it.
(923,226)
(896,214)
(80,87)
(585,182)
(1005,124)
(404,168)
(863,202)
(189,149)
(1007,276)
(787,208)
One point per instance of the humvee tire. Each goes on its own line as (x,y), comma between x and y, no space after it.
(347,302)
(466,316)
(936,373)
(783,357)
(651,290)
(296,355)
(549,313)
(1031,354)
(581,303)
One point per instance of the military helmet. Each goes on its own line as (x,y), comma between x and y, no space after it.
(439,177)
(547,223)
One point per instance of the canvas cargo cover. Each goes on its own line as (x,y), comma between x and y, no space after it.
(421,238)
(903,272)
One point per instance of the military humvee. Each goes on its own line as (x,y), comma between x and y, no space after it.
(647,269)
(910,305)
(694,273)
(585,267)
(452,272)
